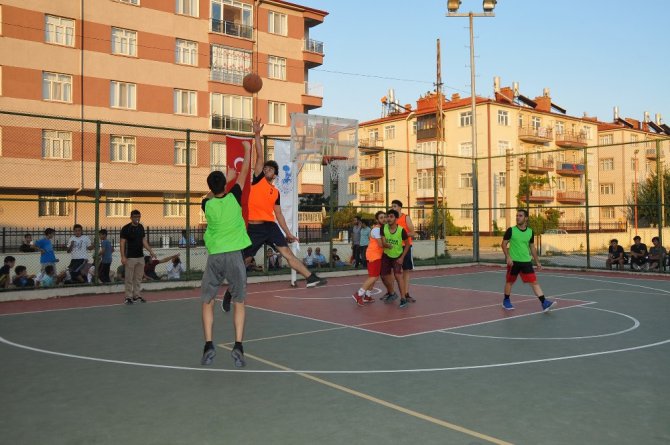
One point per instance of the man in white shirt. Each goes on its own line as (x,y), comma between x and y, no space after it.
(78,246)
(310,259)
(175,269)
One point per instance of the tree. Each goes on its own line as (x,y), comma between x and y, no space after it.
(540,223)
(312,202)
(528,183)
(648,200)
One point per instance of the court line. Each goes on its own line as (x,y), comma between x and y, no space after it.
(375,291)
(384,403)
(613,282)
(636,324)
(246,340)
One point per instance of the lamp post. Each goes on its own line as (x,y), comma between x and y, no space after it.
(635,191)
(452,8)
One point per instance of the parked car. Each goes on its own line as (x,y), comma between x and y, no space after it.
(555,232)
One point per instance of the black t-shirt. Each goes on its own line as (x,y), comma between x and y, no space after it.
(236,191)
(618,253)
(134,236)
(257,179)
(641,248)
(4,274)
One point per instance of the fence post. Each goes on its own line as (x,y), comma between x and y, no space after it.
(386,177)
(586,202)
(96,235)
(436,215)
(4,240)
(659,203)
(188,202)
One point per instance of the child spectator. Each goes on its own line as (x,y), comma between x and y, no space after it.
(274,259)
(335,258)
(150,266)
(175,269)
(27,244)
(106,250)
(78,246)
(46,248)
(5,272)
(49,278)
(22,279)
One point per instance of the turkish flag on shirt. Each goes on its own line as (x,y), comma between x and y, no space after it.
(234,159)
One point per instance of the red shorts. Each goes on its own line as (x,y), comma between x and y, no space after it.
(525,269)
(374,268)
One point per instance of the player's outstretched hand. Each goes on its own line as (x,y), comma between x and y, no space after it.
(291,239)
(257,126)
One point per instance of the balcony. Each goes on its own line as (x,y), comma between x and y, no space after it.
(538,135)
(537,165)
(367,173)
(232,29)
(425,161)
(372,197)
(313,53)
(572,197)
(651,153)
(225,75)
(231,123)
(571,140)
(370,146)
(567,169)
(540,196)
(426,133)
(313,96)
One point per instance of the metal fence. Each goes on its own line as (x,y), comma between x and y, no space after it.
(55,172)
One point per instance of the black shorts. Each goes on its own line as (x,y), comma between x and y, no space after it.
(408,261)
(525,269)
(265,233)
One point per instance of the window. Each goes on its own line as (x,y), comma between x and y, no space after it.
(352,188)
(466,210)
(187,7)
(229,65)
(606,189)
(560,127)
(466,119)
(520,121)
(607,164)
(465,149)
(186,52)
(535,122)
(56,144)
(389,132)
(391,185)
(217,156)
(501,180)
(56,87)
(373,135)
(391,158)
(276,67)
(278,23)
(123,149)
(277,113)
(586,131)
(414,127)
(52,204)
(606,139)
(232,17)
(503,146)
(466,180)
(503,117)
(124,42)
(181,155)
(59,30)
(633,139)
(231,112)
(122,95)
(185,102)
(118,204)
(607,212)
(174,205)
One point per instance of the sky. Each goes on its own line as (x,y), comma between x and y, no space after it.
(591,54)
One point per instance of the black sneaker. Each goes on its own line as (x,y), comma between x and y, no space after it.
(313,281)
(208,356)
(139,300)
(410,299)
(225,303)
(128,301)
(238,357)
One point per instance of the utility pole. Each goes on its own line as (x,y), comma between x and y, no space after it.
(441,164)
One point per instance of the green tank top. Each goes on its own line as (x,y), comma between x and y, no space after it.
(395,240)
(226,230)
(519,245)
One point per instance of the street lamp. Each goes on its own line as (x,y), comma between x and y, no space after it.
(452,8)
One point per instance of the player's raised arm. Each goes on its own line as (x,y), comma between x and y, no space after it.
(244,171)
(258,127)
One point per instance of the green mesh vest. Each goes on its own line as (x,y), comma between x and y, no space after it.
(226,230)
(519,249)
(395,240)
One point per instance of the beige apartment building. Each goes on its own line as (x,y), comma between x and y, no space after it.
(517,137)
(172,64)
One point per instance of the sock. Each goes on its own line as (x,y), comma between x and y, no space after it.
(238,345)
(541,297)
(506,297)
(209,345)
(361,292)
(368,293)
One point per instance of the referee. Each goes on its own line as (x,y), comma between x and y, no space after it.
(518,245)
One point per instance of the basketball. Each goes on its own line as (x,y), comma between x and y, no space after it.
(252,83)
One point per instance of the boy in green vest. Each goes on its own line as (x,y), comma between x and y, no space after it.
(396,246)
(518,245)
(225,238)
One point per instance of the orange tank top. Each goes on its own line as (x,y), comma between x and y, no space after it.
(374,250)
(402,222)
(262,198)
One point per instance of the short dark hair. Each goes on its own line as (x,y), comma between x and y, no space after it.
(135,212)
(216,181)
(614,240)
(49,269)
(27,235)
(77,226)
(103,232)
(637,237)
(398,202)
(655,239)
(393,212)
(524,211)
(49,231)
(19,269)
(272,164)
(379,213)
(358,217)
(9,259)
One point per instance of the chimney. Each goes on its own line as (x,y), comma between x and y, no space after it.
(616,113)
(543,103)
(505,95)
(455,97)
(634,122)
(496,84)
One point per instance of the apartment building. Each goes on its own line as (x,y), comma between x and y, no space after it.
(172,64)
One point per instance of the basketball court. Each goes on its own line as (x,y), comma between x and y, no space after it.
(452,368)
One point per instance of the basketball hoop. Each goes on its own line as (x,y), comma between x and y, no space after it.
(337,164)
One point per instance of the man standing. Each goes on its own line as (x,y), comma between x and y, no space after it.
(365,242)
(518,245)
(405,222)
(133,240)
(374,261)
(394,240)
(356,240)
